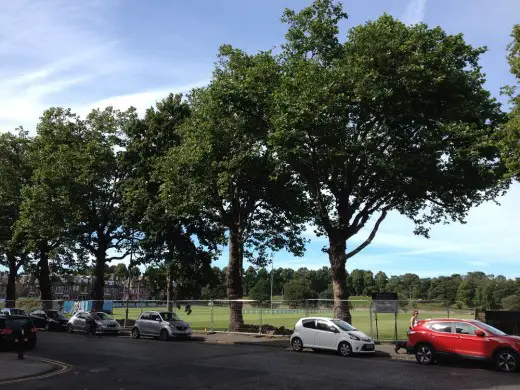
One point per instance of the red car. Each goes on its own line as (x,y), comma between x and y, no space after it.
(464,338)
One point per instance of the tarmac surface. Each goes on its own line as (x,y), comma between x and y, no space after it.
(240,362)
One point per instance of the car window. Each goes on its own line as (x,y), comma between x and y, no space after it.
(310,324)
(2,323)
(154,317)
(444,327)
(322,325)
(465,328)
(17,323)
(145,316)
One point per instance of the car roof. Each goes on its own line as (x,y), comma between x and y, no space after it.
(448,320)
(318,318)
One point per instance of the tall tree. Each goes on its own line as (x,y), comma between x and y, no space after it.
(47,216)
(394,119)
(15,173)
(509,136)
(167,236)
(225,167)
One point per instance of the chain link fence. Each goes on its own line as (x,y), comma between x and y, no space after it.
(270,318)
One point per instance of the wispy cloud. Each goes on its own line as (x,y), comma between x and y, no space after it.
(415,11)
(47,49)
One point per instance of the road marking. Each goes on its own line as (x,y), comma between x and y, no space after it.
(63,368)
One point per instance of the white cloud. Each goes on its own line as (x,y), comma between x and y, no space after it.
(415,11)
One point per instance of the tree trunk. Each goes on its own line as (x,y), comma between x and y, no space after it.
(234,280)
(44,279)
(337,259)
(169,301)
(98,289)
(10,293)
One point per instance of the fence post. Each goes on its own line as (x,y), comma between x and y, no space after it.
(260,313)
(371,327)
(212,326)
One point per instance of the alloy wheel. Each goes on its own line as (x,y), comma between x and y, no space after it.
(506,361)
(424,355)
(345,349)
(297,344)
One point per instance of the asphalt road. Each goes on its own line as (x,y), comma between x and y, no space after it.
(122,363)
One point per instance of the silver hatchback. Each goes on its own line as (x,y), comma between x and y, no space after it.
(164,325)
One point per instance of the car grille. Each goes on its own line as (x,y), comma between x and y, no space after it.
(368,347)
(181,327)
(111,325)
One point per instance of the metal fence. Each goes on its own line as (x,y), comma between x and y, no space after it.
(272,318)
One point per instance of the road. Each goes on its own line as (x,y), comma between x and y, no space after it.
(122,363)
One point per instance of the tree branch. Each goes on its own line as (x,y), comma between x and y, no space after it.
(370,237)
(118,257)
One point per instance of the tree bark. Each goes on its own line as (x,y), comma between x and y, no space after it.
(169,301)
(338,260)
(44,279)
(10,293)
(234,280)
(98,289)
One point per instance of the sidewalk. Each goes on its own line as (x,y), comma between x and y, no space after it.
(12,368)
(384,350)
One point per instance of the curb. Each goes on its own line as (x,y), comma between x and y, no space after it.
(57,368)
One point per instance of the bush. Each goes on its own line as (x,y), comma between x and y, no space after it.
(511,302)
(261,291)
(298,290)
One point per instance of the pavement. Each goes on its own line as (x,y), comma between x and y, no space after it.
(220,361)
(32,367)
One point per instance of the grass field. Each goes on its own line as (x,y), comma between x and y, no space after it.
(200,318)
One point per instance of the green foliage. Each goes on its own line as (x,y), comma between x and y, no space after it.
(298,290)
(511,302)
(261,291)
(509,136)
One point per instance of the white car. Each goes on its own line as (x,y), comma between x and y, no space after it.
(105,324)
(331,334)
(164,325)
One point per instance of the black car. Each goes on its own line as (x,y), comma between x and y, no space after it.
(10,331)
(48,319)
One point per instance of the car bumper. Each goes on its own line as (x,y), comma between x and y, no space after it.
(365,348)
(109,330)
(180,333)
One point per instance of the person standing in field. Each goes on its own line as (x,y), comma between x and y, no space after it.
(413,323)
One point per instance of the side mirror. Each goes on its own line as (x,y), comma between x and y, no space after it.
(480,333)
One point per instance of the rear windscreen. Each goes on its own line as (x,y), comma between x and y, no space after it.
(18,323)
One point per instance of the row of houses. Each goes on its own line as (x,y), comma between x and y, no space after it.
(71,287)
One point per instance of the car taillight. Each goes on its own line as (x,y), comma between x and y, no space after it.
(6,331)
(32,330)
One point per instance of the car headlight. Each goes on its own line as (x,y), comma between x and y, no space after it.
(354,337)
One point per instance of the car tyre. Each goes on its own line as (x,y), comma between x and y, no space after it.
(297,344)
(345,349)
(425,354)
(135,333)
(70,329)
(163,336)
(506,360)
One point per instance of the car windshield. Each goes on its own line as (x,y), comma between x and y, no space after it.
(490,328)
(19,312)
(103,316)
(343,325)
(168,316)
(53,313)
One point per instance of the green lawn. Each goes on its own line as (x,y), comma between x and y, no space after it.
(200,318)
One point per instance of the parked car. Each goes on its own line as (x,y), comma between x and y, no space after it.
(48,319)
(10,324)
(468,339)
(13,311)
(332,334)
(164,325)
(105,323)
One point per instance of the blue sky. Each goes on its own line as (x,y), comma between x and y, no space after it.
(86,54)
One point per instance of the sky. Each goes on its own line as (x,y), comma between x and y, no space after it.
(95,53)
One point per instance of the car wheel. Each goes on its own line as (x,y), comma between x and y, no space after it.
(345,349)
(506,361)
(70,329)
(164,335)
(425,354)
(297,344)
(135,333)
